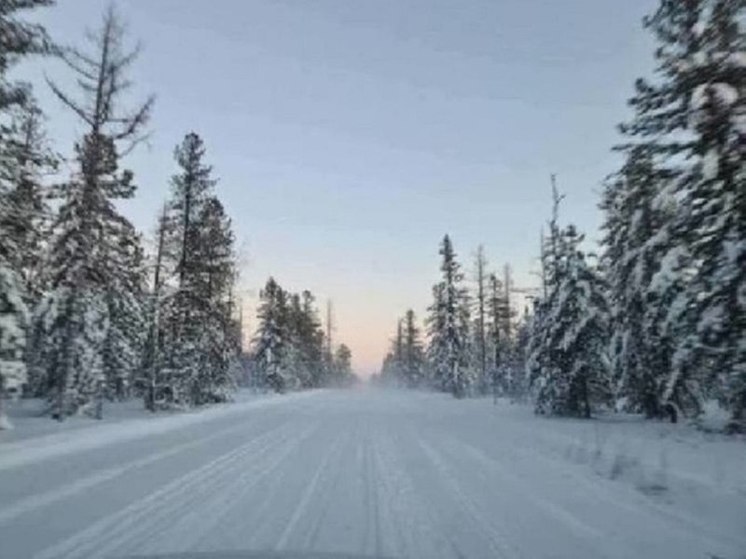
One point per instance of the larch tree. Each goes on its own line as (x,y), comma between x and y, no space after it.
(94,265)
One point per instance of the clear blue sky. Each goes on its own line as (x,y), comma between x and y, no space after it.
(349,136)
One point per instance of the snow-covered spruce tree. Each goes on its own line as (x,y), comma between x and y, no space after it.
(24,215)
(500,376)
(19,39)
(405,364)
(715,191)
(25,158)
(306,341)
(572,348)
(448,327)
(637,236)
(198,346)
(480,320)
(343,366)
(271,338)
(153,354)
(397,353)
(13,326)
(689,121)
(297,362)
(91,264)
(312,339)
(220,347)
(181,307)
(413,354)
(539,356)
(494,335)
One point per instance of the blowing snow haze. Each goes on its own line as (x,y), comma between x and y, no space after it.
(319,279)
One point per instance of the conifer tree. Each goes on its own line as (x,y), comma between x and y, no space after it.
(19,39)
(25,159)
(21,156)
(688,123)
(412,352)
(448,327)
(271,339)
(343,365)
(480,321)
(91,268)
(198,341)
(13,326)
(573,375)
(637,235)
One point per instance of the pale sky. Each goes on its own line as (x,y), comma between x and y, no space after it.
(350,135)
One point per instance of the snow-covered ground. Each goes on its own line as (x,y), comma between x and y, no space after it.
(371,473)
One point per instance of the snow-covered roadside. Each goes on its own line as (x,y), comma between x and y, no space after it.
(685,471)
(35,438)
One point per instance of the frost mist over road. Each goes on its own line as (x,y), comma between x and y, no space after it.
(374,473)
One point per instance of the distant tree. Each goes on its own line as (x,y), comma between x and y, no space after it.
(497,313)
(271,339)
(480,321)
(448,327)
(413,354)
(343,364)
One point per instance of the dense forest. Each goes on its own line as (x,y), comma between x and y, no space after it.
(655,321)
(87,315)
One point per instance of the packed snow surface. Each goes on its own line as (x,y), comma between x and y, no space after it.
(368,473)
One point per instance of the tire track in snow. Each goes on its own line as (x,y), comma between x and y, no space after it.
(174,511)
(419,533)
(323,506)
(195,526)
(197,511)
(496,540)
(373,518)
(143,515)
(316,481)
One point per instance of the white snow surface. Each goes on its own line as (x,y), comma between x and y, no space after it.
(371,473)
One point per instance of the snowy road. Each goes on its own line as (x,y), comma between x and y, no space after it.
(361,473)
